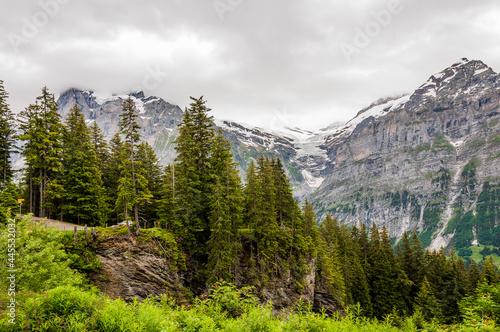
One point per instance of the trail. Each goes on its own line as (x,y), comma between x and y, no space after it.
(63,226)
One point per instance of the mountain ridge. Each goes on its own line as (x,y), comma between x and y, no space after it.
(397,146)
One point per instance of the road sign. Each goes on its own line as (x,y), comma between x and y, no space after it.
(20,200)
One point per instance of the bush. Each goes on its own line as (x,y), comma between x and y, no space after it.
(39,258)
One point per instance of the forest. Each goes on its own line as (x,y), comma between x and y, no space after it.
(235,238)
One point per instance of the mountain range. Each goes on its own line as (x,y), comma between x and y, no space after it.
(428,161)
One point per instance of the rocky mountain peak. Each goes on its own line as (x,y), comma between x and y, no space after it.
(465,77)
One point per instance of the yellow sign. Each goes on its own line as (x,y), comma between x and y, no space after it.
(20,200)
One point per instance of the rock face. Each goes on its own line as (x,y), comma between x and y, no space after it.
(134,269)
(427,162)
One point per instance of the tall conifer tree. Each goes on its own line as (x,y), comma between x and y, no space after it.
(132,186)
(42,130)
(6,137)
(226,205)
(84,191)
(149,168)
(193,146)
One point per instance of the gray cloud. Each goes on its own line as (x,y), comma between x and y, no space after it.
(255,61)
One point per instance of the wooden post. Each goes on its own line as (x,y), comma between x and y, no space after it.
(94,235)
(154,224)
(76,235)
(86,235)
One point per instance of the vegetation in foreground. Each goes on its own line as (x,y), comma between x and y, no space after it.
(68,308)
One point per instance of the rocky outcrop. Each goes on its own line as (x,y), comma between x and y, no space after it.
(132,268)
(139,268)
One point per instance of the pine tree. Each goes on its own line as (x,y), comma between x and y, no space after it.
(490,271)
(410,256)
(167,207)
(383,275)
(267,231)
(84,191)
(310,227)
(152,172)
(6,137)
(329,273)
(132,185)
(226,206)
(426,302)
(474,276)
(42,130)
(192,174)
(355,277)
(111,177)
(251,221)
(29,151)
(99,145)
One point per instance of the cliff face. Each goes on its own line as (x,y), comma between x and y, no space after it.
(144,266)
(132,268)
(423,160)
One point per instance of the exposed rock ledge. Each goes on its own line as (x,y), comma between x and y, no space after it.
(132,268)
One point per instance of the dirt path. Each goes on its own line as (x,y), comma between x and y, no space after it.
(63,226)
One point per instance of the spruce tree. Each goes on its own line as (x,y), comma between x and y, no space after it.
(99,145)
(355,277)
(426,302)
(267,231)
(292,243)
(251,220)
(132,185)
(474,276)
(84,191)
(111,177)
(381,277)
(167,207)
(152,172)
(310,227)
(6,137)
(42,131)
(490,271)
(226,206)
(410,256)
(192,174)
(29,152)
(329,273)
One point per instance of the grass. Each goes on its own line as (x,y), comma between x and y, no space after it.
(72,309)
(479,258)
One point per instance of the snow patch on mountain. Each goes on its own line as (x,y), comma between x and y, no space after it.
(102,99)
(312,181)
(375,111)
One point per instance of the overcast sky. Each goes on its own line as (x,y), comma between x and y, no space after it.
(268,63)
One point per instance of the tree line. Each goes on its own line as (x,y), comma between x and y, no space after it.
(254,233)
